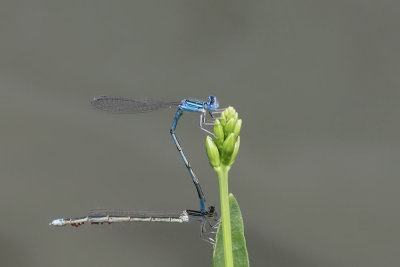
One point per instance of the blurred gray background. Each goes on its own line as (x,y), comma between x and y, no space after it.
(315,82)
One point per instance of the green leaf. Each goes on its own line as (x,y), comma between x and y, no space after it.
(240,256)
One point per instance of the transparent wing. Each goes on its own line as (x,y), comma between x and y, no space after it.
(129,105)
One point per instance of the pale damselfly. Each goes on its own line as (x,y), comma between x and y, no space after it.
(208,220)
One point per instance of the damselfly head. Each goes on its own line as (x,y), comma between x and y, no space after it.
(212,103)
(95,99)
(57,222)
(211,210)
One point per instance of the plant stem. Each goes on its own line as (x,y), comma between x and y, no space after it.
(222,172)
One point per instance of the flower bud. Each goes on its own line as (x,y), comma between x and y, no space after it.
(230,125)
(235,116)
(237,128)
(227,148)
(212,152)
(219,133)
(235,151)
(230,112)
(223,118)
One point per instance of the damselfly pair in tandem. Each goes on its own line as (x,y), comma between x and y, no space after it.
(207,217)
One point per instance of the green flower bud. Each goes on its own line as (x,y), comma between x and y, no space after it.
(223,118)
(223,122)
(237,128)
(230,125)
(235,116)
(219,133)
(227,148)
(235,151)
(230,112)
(212,152)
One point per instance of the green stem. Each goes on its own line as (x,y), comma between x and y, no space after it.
(222,172)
